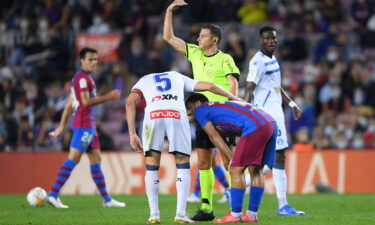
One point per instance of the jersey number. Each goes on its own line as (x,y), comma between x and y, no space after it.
(165,82)
(87,137)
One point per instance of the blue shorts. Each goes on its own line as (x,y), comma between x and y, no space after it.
(83,138)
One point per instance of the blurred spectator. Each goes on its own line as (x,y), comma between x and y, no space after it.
(99,26)
(361,11)
(302,140)
(23,111)
(137,57)
(293,47)
(8,94)
(235,46)
(26,134)
(253,11)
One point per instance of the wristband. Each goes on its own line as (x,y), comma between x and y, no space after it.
(292,104)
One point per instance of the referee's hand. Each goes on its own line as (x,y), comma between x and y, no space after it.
(176,4)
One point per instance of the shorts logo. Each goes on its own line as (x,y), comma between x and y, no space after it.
(280,141)
(157,114)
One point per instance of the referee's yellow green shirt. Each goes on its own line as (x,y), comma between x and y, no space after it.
(214,69)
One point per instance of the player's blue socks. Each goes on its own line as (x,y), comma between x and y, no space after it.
(98,177)
(197,185)
(256,194)
(237,195)
(63,175)
(220,176)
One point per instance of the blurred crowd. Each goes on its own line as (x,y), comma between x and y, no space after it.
(326,51)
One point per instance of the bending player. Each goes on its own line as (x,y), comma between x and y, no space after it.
(257,131)
(165,114)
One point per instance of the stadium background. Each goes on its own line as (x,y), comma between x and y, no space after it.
(326,49)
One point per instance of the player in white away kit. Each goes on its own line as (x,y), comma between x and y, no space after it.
(264,91)
(165,114)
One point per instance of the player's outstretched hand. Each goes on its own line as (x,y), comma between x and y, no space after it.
(176,4)
(115,94)
(57,132)
(136,143)
(297,112)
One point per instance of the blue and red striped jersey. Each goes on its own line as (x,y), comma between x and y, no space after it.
(232,118)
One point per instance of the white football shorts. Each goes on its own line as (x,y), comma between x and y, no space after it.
(171,123)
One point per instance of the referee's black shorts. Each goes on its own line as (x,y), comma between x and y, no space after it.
(203,141)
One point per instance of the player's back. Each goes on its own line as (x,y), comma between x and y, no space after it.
(232,118)
(165,90)
(83,117)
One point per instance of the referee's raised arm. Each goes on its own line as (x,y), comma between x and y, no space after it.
(168,36)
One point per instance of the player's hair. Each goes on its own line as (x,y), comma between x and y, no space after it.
(215,31)
(266,29)
(195,98)
(85,50)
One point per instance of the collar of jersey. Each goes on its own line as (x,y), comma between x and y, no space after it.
(212,54)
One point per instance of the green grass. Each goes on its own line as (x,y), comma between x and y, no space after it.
(325,209)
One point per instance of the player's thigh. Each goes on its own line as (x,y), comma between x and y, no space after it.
(201,139)
(270,150)
(153,134)
(281,140)
(82,138)
(74,155)
(179,137)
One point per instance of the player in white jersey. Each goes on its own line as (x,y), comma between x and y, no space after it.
(264,91)
(165,114)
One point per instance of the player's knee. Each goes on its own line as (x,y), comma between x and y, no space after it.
(181,159)
(204,165)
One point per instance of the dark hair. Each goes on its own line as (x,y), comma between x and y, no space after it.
(215,31)
(266,29)
(85,50)
(195,98)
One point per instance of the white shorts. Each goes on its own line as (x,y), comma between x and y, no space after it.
(282,140)
(174,124)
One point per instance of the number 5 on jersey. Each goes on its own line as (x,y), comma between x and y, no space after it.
(165,82)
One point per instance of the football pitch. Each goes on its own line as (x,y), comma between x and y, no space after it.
(321,209)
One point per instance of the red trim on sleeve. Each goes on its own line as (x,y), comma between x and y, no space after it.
(137,91)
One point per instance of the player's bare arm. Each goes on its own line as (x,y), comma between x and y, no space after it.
(233,84)
(177,43)
(131,103)
(68,110)
(219,142)
(216,89)
(87,101)
(249,94)
(296,110)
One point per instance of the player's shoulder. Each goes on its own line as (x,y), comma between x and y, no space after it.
(258,59)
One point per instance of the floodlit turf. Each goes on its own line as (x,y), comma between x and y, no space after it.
(321,209)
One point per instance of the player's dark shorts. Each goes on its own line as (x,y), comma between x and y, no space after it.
(84,139)
(203,141)
(257,148)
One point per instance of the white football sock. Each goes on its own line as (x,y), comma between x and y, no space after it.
(266,169)
(183,187)
(247,180)
(152,189)
(279,178)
